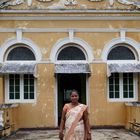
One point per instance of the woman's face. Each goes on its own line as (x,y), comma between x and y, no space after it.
(74,97)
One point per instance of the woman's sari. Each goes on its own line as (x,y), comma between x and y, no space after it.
(74,125)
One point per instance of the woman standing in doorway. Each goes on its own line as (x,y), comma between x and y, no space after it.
(75,120)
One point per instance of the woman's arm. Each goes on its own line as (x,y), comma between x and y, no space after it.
(62,123)
(87,125)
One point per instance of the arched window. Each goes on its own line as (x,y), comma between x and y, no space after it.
(122,84)
(20,52)
(20,80)
(121,53)
(71,53)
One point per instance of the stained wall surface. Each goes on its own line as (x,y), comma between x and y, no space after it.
(43,112)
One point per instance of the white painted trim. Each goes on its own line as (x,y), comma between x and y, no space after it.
(120,87)
(19,35)
(65,30)
(71,61)
(7,100)
(71,35)
(56,11)
(122,34)
(122,61)
(15,61)
(109,46)
(136,86)
(121,99)
(62,42)
(21,100)
(6,82)
(11,42)
(69,18)
(56,101)
(88,92)
(49,62)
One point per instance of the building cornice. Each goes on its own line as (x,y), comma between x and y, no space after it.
(70,11)
(64,14)
(62,30)
(70,18)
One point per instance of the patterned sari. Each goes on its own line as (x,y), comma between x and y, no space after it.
(74,125)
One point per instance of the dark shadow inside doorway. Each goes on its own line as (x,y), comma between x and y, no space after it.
(66,83)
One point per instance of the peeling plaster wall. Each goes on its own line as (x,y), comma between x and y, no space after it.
(67,24)
(42,113)
(46,41)
(132,113)
(103,112)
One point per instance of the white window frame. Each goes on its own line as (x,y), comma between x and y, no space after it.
(67,46)
(17,46)
(121,99)
(21,100)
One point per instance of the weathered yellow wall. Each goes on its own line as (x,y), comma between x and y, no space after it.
(103,112)
(14,114)
(10,118)
(42,113)
(69,24)
(132,113)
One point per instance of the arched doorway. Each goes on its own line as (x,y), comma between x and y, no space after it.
(66,83)
(71,71)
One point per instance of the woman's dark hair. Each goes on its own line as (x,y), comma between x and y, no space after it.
(74,91)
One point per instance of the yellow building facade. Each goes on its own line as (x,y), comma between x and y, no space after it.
(48,48)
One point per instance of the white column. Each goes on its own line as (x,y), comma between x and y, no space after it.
(29,2)
(19,35)
(1,118)
(71,35)
(122,34)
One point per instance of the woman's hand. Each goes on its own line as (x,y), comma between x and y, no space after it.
(89,136)
(61,135)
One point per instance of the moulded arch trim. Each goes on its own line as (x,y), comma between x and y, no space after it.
(25,41)
(135,45)
(60,43)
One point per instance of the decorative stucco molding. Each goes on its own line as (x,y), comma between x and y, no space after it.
(127,2)
(95,0)
(84,46)
(34,48)
(44,0)
(62,4)
(130,2)
(71,2)
(5,3)
(135,47)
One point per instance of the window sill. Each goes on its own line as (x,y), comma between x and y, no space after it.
(137,104)
(20,102)
(8,105)
(122,100)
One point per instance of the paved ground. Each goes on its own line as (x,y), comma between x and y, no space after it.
(97,134)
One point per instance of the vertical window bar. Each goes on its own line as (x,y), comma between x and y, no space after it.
(27,85)
(14,84)
(22,87)
(128,91)
(113,85)
(121,85)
